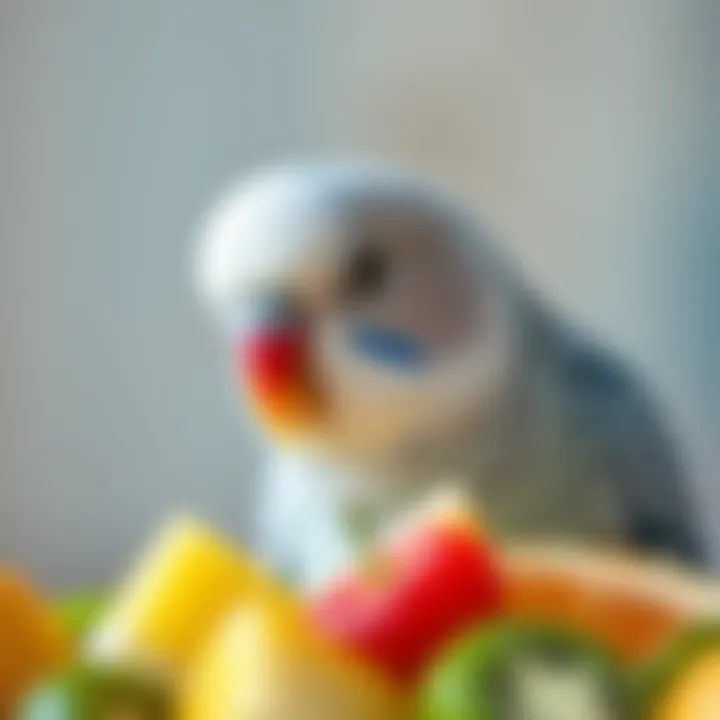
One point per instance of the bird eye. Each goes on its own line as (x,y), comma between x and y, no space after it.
(367,274)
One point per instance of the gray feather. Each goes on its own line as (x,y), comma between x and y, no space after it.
(611,410)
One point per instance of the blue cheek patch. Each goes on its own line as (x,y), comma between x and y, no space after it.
(389,347)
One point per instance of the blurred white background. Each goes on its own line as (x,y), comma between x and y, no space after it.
(586,132)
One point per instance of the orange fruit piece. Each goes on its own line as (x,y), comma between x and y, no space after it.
(631,604)
(32,643)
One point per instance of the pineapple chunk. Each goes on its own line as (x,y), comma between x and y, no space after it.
(32,644)
(695,694)
(446,505)
(175,595)
(265,662)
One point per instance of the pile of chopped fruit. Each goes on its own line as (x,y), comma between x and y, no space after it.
(436,623)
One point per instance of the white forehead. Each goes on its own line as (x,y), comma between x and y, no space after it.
(283,222)
(259,230)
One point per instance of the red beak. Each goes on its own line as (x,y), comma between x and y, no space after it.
(272,362)
(271,359)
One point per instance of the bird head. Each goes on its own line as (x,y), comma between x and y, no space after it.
(363,307)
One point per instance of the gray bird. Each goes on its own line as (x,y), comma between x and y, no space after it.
(386,345)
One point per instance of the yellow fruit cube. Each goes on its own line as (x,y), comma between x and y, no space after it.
(445,505)
(184,584)
(695,694)
(266,662)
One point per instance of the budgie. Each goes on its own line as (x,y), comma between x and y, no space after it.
(386,344)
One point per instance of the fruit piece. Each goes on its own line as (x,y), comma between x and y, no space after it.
(631,603)
(267,662)
(97,693)
(32,642)
(683,681)
(78,612)
(178,591)
(434,575)
(524,671)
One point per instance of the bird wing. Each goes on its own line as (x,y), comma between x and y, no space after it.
(631,440)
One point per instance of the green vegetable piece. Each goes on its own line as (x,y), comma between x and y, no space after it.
(97,693)
(79,611)
(524,671)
